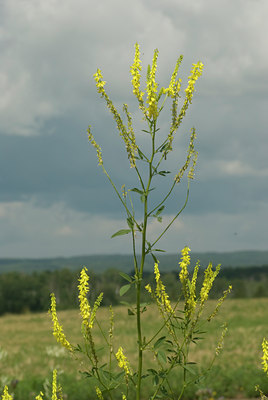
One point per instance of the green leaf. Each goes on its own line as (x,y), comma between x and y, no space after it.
(159,342)
(143,198)
(163,173)
(159,219)
(161,355)
(160,209)
(163,251)
(189,369)
(124,289)
(136,190)
(130,312)
(130,223)
(121,232)
(125,276)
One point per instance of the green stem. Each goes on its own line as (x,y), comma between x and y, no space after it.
(176,216)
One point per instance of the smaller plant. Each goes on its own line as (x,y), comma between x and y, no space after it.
(170,346)
(264,365)
(55,395)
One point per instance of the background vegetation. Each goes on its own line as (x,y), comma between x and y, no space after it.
(21,292)
(28,352)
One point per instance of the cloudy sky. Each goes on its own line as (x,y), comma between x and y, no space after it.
(54,199)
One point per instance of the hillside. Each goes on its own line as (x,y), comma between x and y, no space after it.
(100,263)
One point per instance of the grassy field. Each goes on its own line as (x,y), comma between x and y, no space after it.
(29,352)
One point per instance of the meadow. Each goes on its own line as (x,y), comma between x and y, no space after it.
(29,352)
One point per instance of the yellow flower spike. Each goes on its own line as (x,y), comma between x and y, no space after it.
(220,343)
(94,144)
(85,309)
(160,291)
(191,155)
(39,396)
(174,86)
(191,301)
(148,288)
(130,139)
(127,136)
(152,89)
(99,393)
(6,395)
(135,72)
(122,361)
(265,355)
(94,311)
(54,386)
(220,301)
(209,278)
(196,72)
(100,83)
(57,328)
(184,263)
(176,120)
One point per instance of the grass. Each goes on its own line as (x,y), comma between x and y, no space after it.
(29,352)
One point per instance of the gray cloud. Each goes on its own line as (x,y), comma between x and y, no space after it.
(49,52)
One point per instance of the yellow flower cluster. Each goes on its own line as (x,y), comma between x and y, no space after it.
(88,317)
(209,278)
(152,88)
(127,135)
(196,72)
(184,263)
(122,361)
(220,344)
(220,301)
(191,155)
(94,144)
(54,386)
(190,304)
(83,288)
(57,328)
(39,396)
(160,290)
(135,72)
(174,85)
(100,83)
(99,393)
(6,395)
(265,355)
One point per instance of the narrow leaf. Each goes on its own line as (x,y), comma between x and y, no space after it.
(121,232)
(159,341)
(136,190)
(130,223)
(124,289)
(161,355)
(125,276)
(160,209)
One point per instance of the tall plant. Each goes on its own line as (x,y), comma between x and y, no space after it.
(171,343)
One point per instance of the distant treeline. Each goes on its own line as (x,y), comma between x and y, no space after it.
(21,292)
(123,262)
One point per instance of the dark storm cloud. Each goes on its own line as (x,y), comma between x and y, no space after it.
(49,173)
